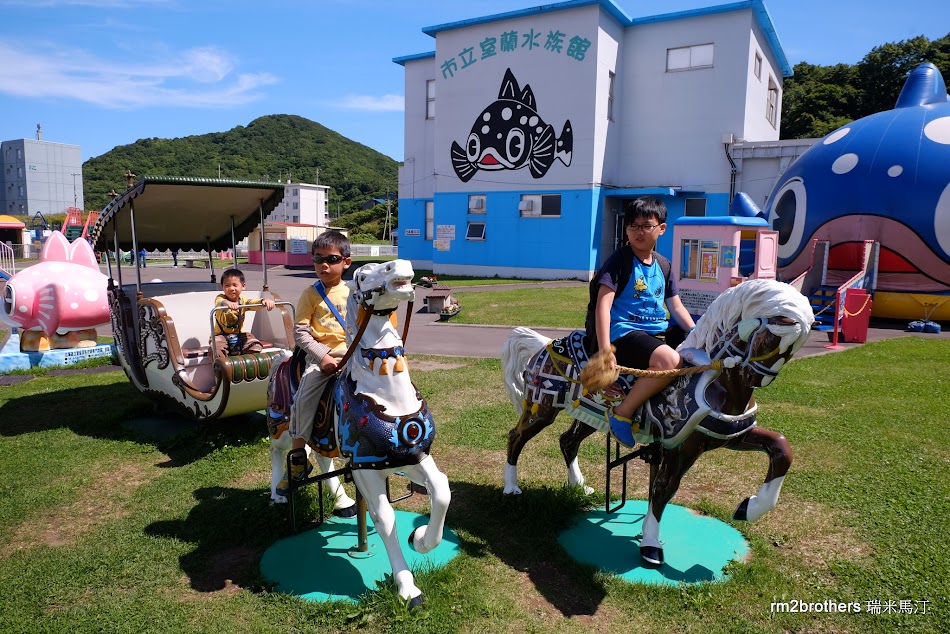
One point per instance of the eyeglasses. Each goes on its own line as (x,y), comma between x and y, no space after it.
(647,228)
(329,259)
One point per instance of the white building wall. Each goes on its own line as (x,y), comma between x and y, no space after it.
(303,203)
(678,117)
(417,174)
(44,170)
(757,126)
(564,89)
(607,135)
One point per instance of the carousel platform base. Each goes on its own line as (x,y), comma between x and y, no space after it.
(320,564)
(12,359)
(696,548)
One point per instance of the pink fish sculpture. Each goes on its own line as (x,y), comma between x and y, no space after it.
(65,291)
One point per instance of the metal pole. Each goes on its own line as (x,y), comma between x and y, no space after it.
(210,257)
(263,247)
(135,250)
(233,243)
(118,251)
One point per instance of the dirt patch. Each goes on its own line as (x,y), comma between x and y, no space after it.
(101,501)
(223,569)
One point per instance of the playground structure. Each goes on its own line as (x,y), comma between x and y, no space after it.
(876,196)
(163,330)
(745,337)
(74,226)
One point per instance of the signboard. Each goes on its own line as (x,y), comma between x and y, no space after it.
(299,245)
(696,302)
(445,232)
(410,232)
(442,245)
(728,257)
(708,265)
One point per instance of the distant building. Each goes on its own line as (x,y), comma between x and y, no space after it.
(527,131)
(303,203)
(40,176)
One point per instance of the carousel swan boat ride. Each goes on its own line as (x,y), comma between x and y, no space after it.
(163,330)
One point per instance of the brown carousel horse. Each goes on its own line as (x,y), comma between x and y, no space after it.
(746,336)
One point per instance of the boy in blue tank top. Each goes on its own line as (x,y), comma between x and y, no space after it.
(633,318)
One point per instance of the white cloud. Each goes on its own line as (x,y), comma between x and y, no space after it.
(201,77)
(382,103)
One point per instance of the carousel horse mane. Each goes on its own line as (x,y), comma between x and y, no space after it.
(751,299)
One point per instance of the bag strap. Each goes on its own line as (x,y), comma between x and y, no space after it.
(318,286)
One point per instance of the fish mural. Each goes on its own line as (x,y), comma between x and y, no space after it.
(509,134)
(884,177)
(64,292)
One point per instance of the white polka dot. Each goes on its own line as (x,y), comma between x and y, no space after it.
(938,130)
(539,130)
(844,163)
(486,117)
(506,113)
(22,309)
(485,129)
(498,136)
(533,121)
(74,305)
(90,295)
(836,136)
(895,170)
(523,120)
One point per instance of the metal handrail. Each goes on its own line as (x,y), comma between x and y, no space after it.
(7,259)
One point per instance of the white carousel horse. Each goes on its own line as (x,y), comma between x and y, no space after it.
(381,423)
(748,333)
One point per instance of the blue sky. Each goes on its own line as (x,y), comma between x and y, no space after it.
(102,73)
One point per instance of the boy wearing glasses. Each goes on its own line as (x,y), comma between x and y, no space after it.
(633,296)
(320,331)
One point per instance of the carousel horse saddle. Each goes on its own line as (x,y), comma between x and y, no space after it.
(280,397)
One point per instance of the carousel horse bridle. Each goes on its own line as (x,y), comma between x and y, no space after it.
(368,312)
(747,331)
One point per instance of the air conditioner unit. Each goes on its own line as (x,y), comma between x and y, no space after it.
(476,203)
(526,205)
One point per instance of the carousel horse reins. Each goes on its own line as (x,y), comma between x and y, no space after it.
(368,313)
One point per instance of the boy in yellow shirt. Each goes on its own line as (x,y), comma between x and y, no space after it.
(320,331)
(231,321)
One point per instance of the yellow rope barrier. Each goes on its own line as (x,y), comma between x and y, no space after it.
(861,310)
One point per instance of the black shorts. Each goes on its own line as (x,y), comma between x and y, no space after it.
(636,347)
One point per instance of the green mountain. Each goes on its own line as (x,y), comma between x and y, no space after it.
(274,147)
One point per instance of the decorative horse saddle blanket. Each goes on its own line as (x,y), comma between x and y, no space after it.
(554,379)
(280,398)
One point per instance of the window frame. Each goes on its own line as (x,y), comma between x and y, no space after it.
(473,204)
(757,66)
(611,78)
(692,50)
(771,103)
(473,225)
(686,206)
(538,205)
(430,99)
(429,220)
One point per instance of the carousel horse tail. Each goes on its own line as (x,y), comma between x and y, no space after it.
(520,346)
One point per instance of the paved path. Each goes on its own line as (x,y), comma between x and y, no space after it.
(427,335)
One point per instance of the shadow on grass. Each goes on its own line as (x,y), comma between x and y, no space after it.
(228,555)
(119,412)
(522,532)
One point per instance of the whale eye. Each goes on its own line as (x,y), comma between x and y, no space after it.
(787,216)
(514,145)
(9,299)
(473,148)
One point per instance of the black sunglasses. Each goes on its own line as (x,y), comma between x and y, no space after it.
(329,259)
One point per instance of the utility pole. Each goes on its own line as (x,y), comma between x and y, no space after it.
(318,176)
(75,196)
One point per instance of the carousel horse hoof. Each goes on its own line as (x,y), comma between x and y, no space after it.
(415,602)
(652,555)
(741,513)
(622,428)
(349,511)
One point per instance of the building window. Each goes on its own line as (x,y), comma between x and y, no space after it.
(610,95)
(771,106)
(430,99)
(540,206)
(430,219)
(20,191)
(757,67)
(476,204)
(689,57)
(700,260)
(695,206)
(475,231)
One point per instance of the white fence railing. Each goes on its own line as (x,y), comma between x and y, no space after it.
(373,250)
(7,259)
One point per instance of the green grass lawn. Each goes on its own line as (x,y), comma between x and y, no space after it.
(104,529)
(564,307)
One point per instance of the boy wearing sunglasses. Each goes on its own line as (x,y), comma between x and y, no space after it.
(633,316)
(320,331)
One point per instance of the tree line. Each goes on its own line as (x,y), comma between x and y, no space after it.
(820,99)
